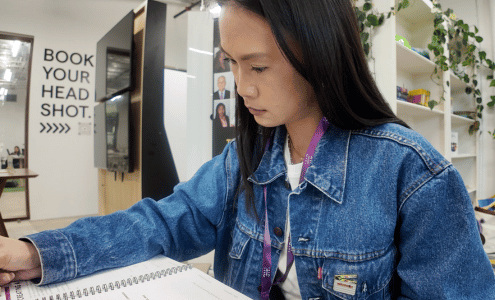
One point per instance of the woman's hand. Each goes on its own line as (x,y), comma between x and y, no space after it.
(18,261)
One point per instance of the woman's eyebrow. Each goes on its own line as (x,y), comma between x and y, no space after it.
(246,56)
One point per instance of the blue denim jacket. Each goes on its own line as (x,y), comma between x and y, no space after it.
(378,203)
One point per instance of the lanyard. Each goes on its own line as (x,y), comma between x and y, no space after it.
(266,282)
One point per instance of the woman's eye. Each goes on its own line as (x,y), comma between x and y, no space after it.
(258,69)
(229,60)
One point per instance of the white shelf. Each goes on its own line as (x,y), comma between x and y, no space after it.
(415,110)
(460,121)
(463,156)
(418,12)
(413,71)
(456,84)
(413,63)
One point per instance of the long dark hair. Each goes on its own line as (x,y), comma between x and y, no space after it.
(333,62)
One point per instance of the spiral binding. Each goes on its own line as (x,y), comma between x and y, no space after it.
(76,294)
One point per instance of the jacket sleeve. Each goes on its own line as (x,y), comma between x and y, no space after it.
(181,226)
(440,250)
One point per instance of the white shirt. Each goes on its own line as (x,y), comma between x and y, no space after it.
(290,287)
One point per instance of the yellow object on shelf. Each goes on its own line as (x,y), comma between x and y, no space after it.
(419,96)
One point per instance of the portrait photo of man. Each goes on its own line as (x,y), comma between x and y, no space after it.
(221,93)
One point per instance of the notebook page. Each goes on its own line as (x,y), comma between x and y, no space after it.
(109,284)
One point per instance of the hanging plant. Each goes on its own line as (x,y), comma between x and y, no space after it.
(369,19)
(463,55)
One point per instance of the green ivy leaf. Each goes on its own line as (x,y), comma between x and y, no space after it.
(448,83)
(491,103)
(479,39)
(492,84)
(482,55)
(432,104)
(373,19)
(476,29)
(475,82)
(381,19)
(466,78)
(367,6)
(366,48)
(405,3)
(479,100)
(469,90)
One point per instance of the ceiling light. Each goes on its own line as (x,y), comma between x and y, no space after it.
(6,92)
(200,51)
(15,48)
(7,75)
(215,10)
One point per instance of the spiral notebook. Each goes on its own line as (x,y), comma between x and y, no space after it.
(156,279)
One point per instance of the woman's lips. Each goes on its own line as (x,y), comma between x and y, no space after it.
(256,112)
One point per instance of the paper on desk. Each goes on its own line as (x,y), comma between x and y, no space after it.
(187,285)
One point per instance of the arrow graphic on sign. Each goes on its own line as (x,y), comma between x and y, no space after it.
(55,128)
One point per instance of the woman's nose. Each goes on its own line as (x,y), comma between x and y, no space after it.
(246,88)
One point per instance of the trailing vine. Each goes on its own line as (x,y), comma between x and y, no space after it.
(462,50)
(463,55)
(369,19)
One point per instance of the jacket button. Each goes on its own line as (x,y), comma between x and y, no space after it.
(287,186)
(278,231)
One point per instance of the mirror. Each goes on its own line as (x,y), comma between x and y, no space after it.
(15,65)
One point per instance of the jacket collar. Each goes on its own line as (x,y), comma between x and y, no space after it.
(327,172)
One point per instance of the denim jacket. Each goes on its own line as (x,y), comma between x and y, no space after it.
(380,203)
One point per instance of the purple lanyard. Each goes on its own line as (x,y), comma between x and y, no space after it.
(266,281)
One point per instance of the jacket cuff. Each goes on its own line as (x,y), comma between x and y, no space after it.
(58,261)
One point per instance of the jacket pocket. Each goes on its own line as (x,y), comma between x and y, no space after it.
(236,260)
(239,241)
(349,277)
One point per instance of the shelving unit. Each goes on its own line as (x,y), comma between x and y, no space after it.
(414,71)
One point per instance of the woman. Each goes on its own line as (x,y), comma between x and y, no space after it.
(17,151)
(221,119)
(373,212)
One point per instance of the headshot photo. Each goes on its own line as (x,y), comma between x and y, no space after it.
(219,63)
(221,92)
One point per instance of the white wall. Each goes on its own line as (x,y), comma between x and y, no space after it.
(175,115)
(67,182)
(199,90)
